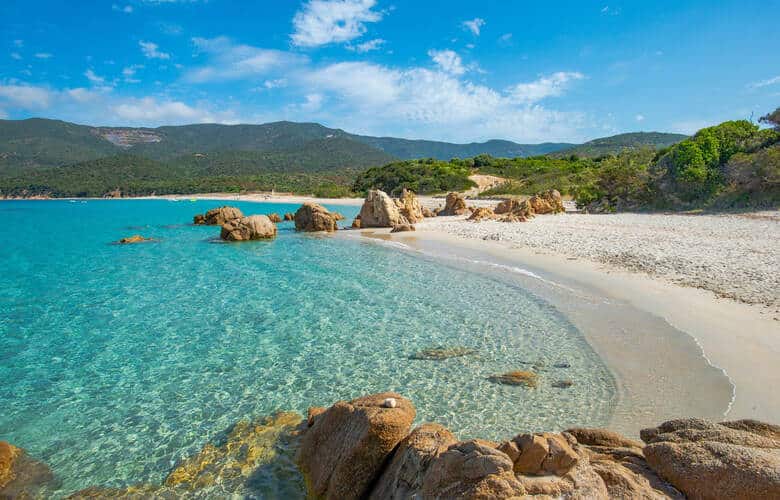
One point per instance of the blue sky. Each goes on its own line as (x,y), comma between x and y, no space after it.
(460,71)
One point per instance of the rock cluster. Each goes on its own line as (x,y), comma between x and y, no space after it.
(402,228)
(379,210)
(312,217)
(217,216)
(409,207)
(482,213)
(365,448)
(254,227)
(289,216)
(454,204)
(274,218)
(547,202)
(686,457)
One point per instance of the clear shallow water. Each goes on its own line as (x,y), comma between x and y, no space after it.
(118,361)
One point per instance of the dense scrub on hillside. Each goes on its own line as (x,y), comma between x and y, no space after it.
(426,176)
(137,176)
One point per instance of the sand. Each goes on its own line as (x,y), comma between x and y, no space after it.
(682,309)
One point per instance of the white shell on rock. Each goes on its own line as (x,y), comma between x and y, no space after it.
(390,403)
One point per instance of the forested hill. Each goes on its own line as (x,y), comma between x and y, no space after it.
(618,143)
(407,149)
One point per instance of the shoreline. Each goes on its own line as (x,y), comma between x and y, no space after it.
(711,357)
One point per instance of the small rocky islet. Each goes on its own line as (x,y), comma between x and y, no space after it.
(366,448)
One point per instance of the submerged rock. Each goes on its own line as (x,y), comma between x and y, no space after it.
(246,446)
(518,377)
(454,204)
(20,475)
(439,353)
(136,238)
(379,210)
(344,449)
(312,217)
(218,216)
(288,216)
(254,227)
(563,384)
(274,217)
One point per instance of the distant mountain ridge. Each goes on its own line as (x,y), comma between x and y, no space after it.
(621,142)
(40,142)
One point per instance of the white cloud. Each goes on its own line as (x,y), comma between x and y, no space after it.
(640,118)
(764,83)
(94,78)
(229,61)
(423,103)
(367,46)
(149,110)
(323,22)
(546,86)
(274,84)
(25,96)
(83,95)
(18,43)
(690,127)
(129,73)
(150,50)
(313,102)
(43,55)
(127,9)
(3,115)
(448,60)
(474,25)
(16,55)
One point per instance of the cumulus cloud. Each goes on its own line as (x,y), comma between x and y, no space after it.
(432,104)
(43,55)
(228,61)
(367,46)
(16,55)
(127,9)
(448,60)
(546,86)
(322,22)
(25,96)
(474,25)
(640,118)
(151,50)
(150,110)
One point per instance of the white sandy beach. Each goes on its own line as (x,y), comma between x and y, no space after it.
(711,281)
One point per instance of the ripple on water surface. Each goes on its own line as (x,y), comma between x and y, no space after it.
(118,361)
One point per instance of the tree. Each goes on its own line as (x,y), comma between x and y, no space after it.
(772,119)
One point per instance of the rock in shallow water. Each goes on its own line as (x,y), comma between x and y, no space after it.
(440,353)
(218,216)
(379,210)
(254,227)
(20,475)
(518,377)
(136,238)
(312,217)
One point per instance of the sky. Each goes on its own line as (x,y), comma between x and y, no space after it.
(461,71)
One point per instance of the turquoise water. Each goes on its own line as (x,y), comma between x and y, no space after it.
(118,361)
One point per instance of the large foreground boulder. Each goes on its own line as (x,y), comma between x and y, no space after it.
(20,475)
(409,207)
(379,210)
(254,227)
(311,217)
(547,202)
(342,452)
(454,204)
(217,216)
(704,460)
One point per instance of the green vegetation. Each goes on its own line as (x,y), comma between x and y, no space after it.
(617,144)
(421,176)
